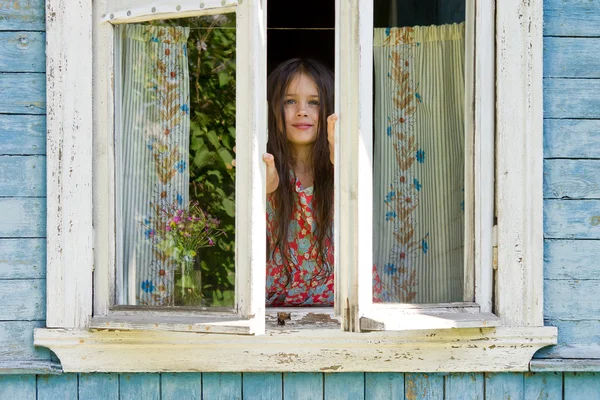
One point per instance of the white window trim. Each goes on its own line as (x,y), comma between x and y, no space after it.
(520,248)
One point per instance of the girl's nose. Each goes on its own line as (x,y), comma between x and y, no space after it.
(301,111)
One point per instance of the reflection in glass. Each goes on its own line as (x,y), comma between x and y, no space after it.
(419,147)
(175,184)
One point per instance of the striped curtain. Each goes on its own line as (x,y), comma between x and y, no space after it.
(419,144)
(152,146)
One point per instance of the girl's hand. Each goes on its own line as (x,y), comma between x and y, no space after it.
(331,120)
(272,175)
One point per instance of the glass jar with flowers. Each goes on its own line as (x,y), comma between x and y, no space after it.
(181,233)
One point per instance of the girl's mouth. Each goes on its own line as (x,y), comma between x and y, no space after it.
(302,126)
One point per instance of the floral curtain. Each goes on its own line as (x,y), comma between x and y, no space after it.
(419,144)
(152,146)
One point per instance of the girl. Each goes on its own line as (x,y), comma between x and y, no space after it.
(300,185)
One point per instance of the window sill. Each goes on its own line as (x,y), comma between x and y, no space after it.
(325,350)
(29,367)
(565,365)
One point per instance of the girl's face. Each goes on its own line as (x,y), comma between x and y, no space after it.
(301,106)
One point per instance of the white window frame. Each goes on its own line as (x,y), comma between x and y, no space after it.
(72,255)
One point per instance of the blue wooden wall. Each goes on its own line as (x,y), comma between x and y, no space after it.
(572,232)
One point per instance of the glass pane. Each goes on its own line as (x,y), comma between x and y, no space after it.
(419,151)
(175,183)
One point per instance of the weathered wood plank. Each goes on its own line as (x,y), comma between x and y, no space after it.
(222,386)
(22,258)
(22,15)
(565,365)
(23,176)
(504,386)
(571,57)
(34,367)
(18,387)
(571,98)
(181,386)
(582,385)
(572,300)
(139,386)
(571,259)
(16,341)
(23,93)
(267,386)
(22,52)
(99,386)
(571,219)
(22,134)
(302,386)
(345,385)
(382,385)
(464,386)
(52,387)
(576,339)
(23,300)
(573,179)
(22,217)
(568,138)
(543,385)
(424,386)
(572,17)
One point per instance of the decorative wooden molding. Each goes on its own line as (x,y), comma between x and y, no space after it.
(455,350)
(69,163)
(519,157)
(29,367)
(565,365)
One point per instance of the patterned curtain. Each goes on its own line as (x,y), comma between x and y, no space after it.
(152,146)
(419,144)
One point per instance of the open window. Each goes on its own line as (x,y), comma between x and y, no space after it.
(94,318)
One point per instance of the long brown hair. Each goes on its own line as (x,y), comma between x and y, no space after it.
(322,169)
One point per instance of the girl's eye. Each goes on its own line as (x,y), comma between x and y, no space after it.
(289,101)
(314,102)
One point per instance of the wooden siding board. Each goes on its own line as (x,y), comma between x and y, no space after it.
(388,385)
(23,176)
(467,386)
(302,386)
(139,386)
(543,386)
(222,386)
(181,386)
(345,385)
(571,18)
(22,52)
(582,385)
(264,386)
(22,217)
(571,259)
(18,387)
(572,179)
(424,386)
(571,57)
(571,219)
(576,339)
(22,15)
(571,98)
(571,138)
(52,387)
(98,386)
(504,386)
(22,258)
(23,93)
(572,300)
(23,300)
(22,134)
(16,341)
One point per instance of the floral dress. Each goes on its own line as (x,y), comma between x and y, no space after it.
(310,284)
(308,287)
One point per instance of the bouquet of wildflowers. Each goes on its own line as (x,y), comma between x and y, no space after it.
(181,233)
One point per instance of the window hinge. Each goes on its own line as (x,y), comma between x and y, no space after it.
(495,247)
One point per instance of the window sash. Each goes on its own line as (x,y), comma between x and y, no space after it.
(354,253)
(249,314)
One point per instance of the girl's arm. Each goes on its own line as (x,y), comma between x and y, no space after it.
(272,175)
(331,120)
